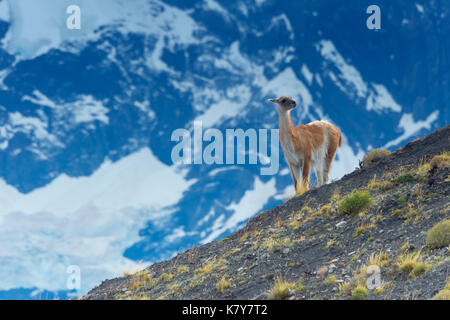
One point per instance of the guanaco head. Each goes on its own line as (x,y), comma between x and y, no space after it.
(287,103)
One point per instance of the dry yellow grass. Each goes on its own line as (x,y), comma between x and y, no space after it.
(375,155)
(359,293)
(330,280)
(363,228)
(411,264)
(325,209)
(223,285)
(382,185)
(380,259)
(280,289)
(440,161)
(182,269)
(444,294)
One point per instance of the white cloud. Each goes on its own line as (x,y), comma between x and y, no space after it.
(411,127)
(348,77)
(286,83)
(87,109)
(237,98)
(346,160)
(251,203)
(145,107)
(38,26)
(380,100)
(282,18)
(215,6)
(40,99)
(4,11)
(419,8)
(35,127)
(85,221)
(307,74)
(286,193)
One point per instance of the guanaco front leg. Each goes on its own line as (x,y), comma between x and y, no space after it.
(305,176)
(294,169)
(298,183)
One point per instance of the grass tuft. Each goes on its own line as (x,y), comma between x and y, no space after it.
(381,259)
(282,289)
(182,269)
(411,264)
(363,228)
(325,209)
(418,269)
(440,161)
(401,200)
(359,293)
(404,178)
(330,280)
(223,285)
(375,156)
(295,224)
(444,294)
(355,203)
(382,185)
(439,235)
(166,277)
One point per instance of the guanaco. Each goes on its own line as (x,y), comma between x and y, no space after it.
(311,146)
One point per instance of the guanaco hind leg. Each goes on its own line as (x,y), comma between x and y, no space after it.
(319,174)
(304,181)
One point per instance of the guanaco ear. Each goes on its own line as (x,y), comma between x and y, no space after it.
(273,100)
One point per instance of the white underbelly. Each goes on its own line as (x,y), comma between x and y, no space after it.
(291,156)
(318,156)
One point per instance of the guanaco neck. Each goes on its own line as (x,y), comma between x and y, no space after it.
(286,126)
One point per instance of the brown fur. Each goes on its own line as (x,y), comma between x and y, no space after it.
(300,143)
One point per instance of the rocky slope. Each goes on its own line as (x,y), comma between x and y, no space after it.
(319,245)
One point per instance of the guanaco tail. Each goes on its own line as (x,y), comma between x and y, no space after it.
(311,146)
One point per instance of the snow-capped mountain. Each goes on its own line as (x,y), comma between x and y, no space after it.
(86,117)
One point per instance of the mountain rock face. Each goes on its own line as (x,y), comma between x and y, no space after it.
(86,117)
(323,244)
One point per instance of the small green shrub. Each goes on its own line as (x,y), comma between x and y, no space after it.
(404,178)
(355,203)
(418,269)
(401,200)
(375,155)
(439,235)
